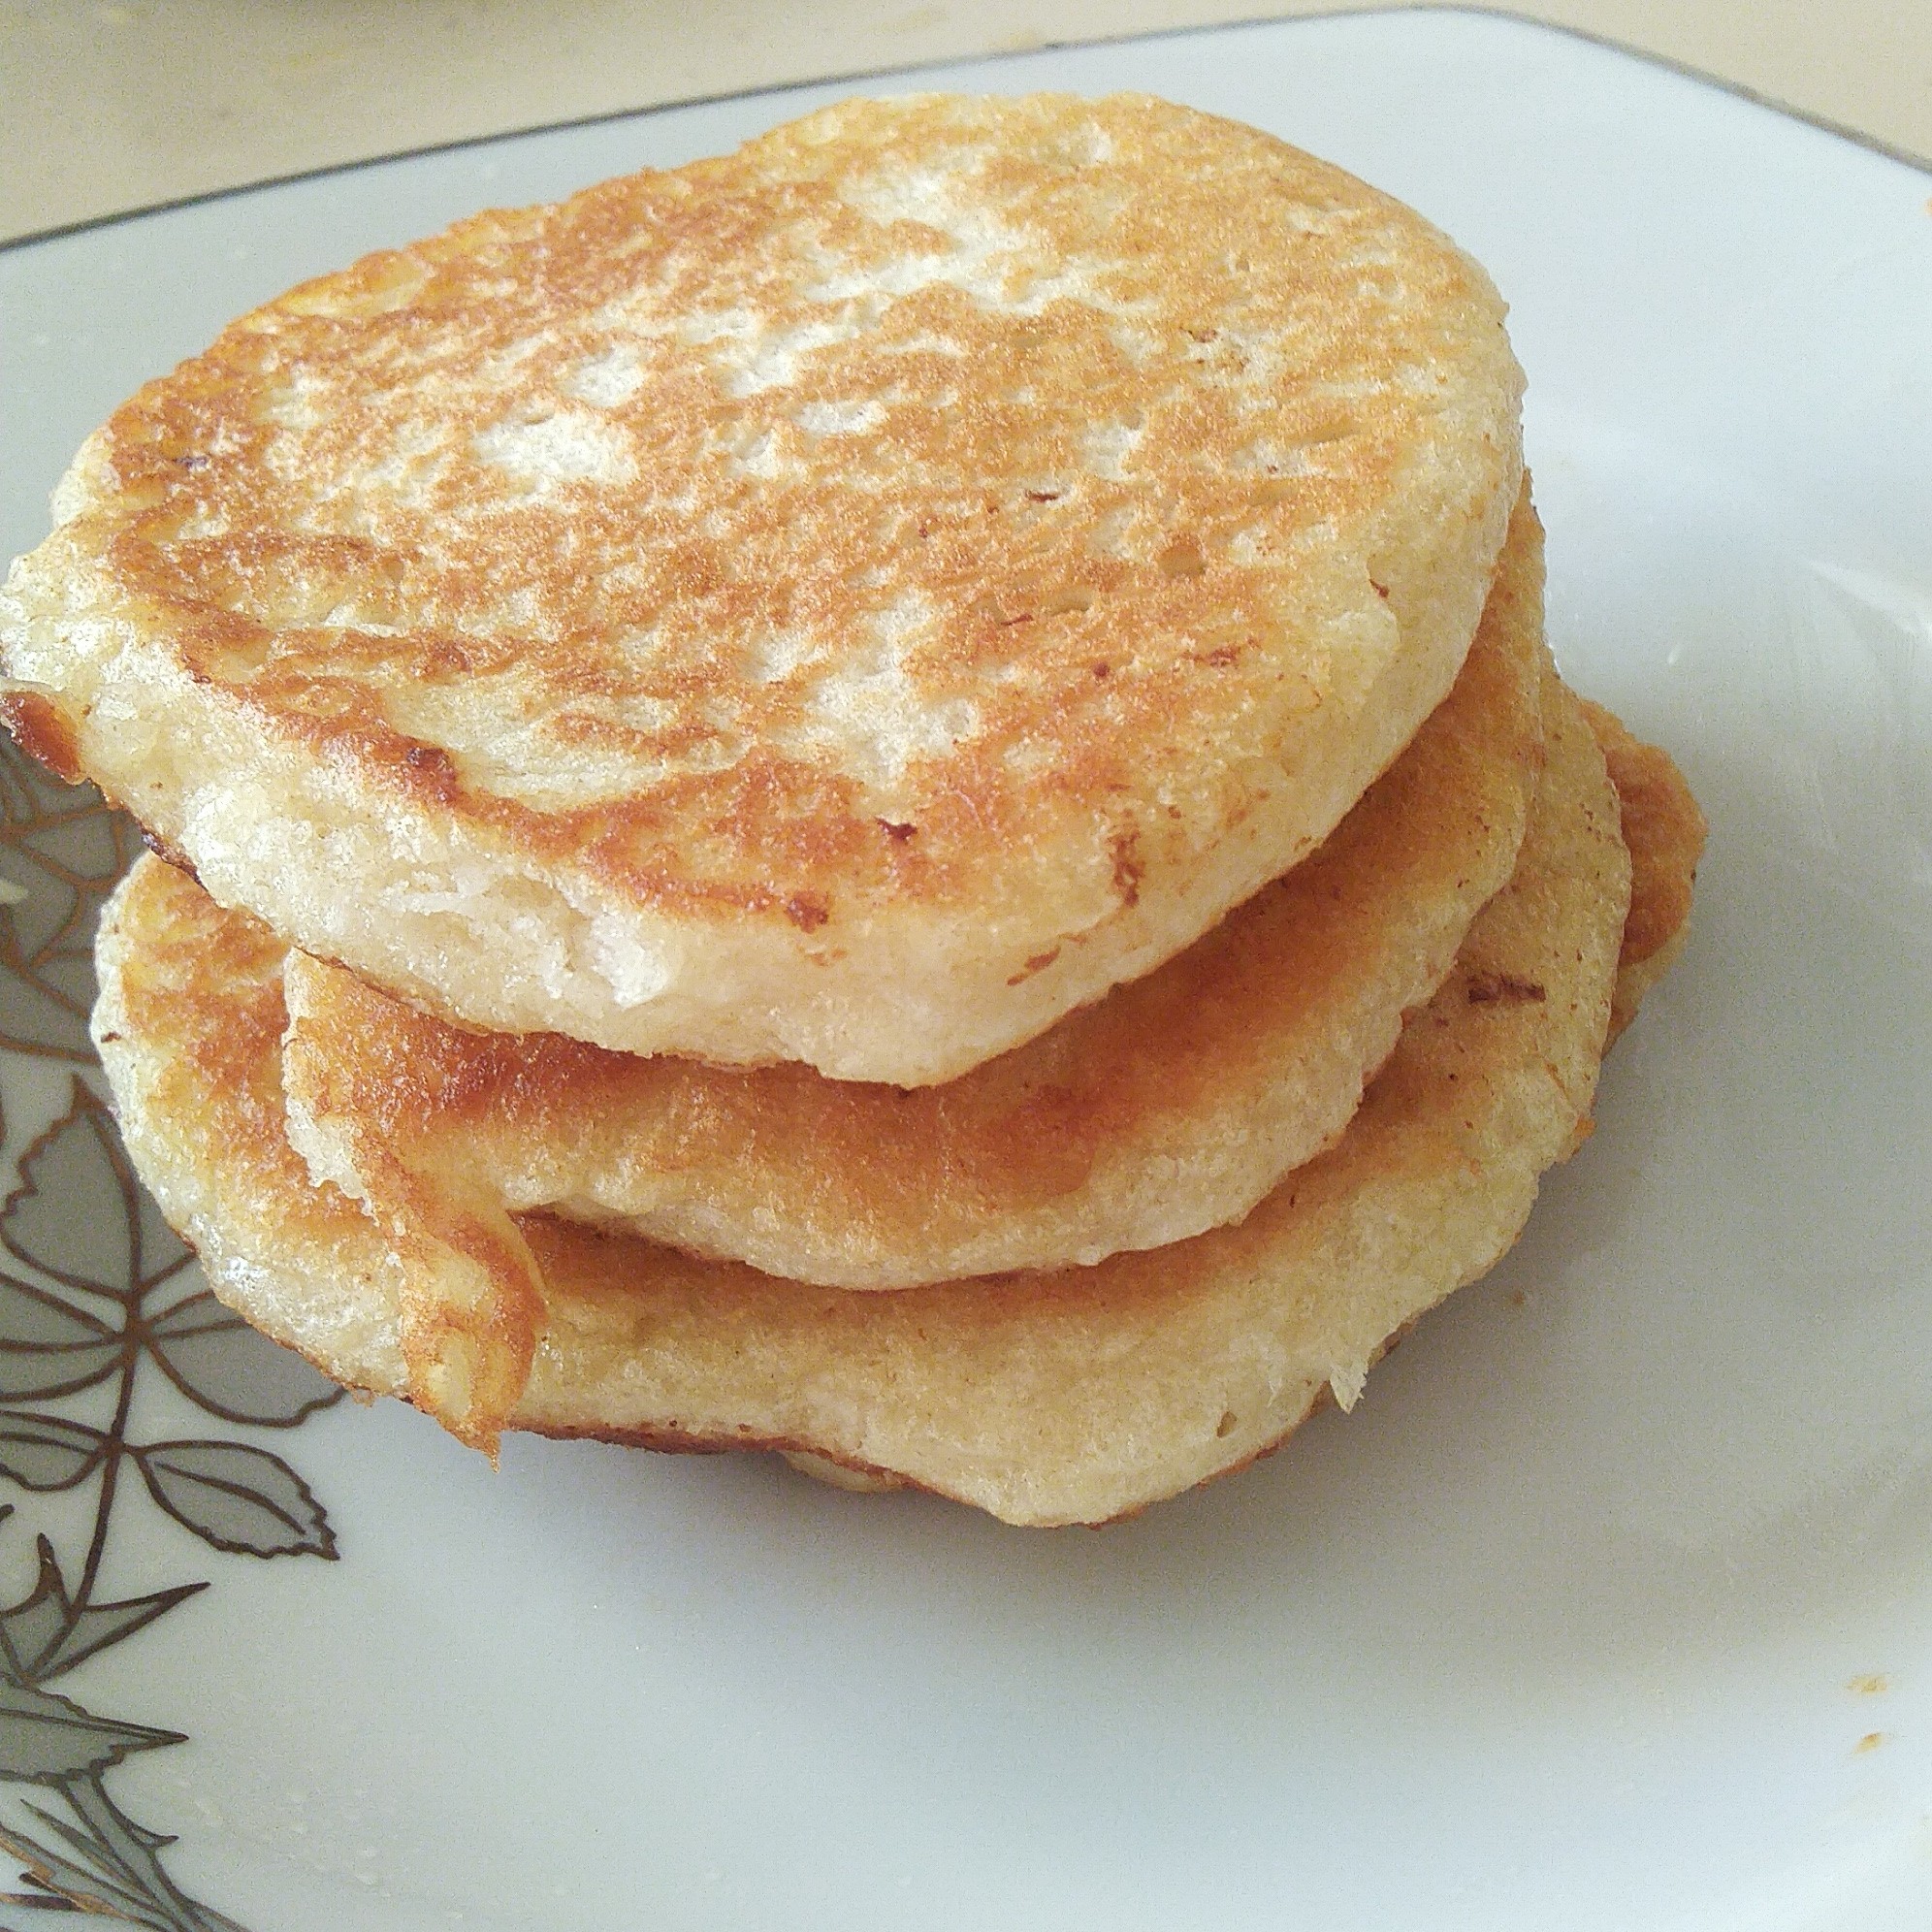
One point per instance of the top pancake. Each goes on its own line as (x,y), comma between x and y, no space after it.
(848,602)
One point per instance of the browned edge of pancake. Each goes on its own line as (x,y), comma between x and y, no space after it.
(1665,829)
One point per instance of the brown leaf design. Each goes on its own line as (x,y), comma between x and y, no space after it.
(62,849)
(107,1863)
(48,1346)
(79,1216)
(236,1497)
(48,1452)
(47,1633)
(225,1366)
(45,1736)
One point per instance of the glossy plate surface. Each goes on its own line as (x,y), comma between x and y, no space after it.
(1610,1606)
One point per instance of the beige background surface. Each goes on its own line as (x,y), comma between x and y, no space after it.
(112,107)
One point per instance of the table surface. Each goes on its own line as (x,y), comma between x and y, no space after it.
(116,107)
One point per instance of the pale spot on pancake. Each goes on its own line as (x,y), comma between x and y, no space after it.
(771,359)
(754,453)
(605,380)
(632,974)
(718,325)
(872,716)
(926,345)
(1106,447)
(968,248)
(840,419)
(569,447)
(773,655)
(295,405)
(913,194)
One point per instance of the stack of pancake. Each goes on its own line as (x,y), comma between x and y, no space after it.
(897,797)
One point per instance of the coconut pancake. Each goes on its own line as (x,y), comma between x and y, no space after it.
(1069,1396)
(848,601)
(1664,821)
(1170,1107)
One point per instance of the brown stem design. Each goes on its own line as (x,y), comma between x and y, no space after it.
(111,1463)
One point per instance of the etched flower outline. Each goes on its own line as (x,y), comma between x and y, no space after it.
(62,850)
(95,1295)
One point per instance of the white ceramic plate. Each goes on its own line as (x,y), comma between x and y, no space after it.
(1610,1606)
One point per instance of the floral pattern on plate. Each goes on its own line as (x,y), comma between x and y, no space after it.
(98,1297)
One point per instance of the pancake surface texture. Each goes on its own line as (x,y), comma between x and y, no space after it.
(850,602)
(1072,1397)
(1170,1107)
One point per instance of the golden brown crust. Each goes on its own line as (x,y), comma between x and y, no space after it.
(40,729)
(461,1359)
(940,529)
(1663,820)
(1665,829)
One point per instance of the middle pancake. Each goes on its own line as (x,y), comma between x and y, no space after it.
(1170,1107)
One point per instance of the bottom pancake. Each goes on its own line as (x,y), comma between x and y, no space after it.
(1665,831)
(1075,1395)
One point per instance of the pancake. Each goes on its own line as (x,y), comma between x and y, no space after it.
(1072,1397)
(1170,1107)
(850,602)
(1663,823)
